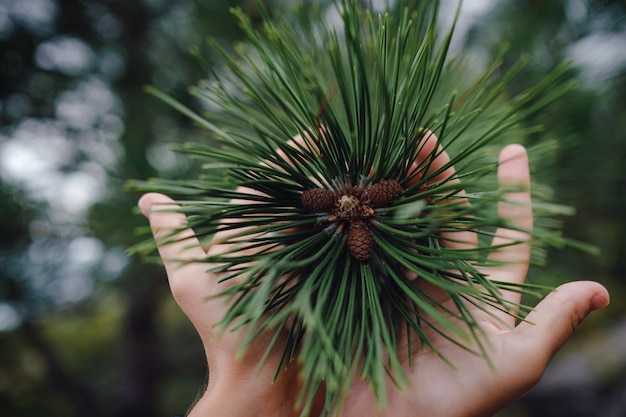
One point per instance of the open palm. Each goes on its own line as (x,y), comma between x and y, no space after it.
(470,387)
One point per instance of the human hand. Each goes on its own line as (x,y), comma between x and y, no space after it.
(519,354)
(237,387)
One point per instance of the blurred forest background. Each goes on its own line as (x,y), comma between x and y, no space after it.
(86,330)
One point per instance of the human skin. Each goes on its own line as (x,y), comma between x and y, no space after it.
(472,387)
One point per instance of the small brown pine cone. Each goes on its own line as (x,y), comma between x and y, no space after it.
(384,192)
(360,242)
(318,200)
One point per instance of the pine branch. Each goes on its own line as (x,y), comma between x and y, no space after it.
(339,115)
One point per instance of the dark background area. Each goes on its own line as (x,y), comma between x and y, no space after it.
(87,330)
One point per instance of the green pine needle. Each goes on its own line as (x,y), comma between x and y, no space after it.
(360,98)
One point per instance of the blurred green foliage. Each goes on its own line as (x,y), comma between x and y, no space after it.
(86,330)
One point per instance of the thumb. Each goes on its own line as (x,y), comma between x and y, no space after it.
(177,244)
(555,318)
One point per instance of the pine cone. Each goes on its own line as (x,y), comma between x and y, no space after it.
(360,242)
(384,192)
(318,200)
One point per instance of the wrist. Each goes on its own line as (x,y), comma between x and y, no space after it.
(237,404)
(245,398)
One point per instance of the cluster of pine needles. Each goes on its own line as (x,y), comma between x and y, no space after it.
(315,169)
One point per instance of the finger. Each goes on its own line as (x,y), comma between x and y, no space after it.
(436,161)
(231,235)
(555,318)
(305,144)
(513,253)
(302,149)
(179,249)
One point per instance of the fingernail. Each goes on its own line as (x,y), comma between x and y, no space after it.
(598,302)
(145,205)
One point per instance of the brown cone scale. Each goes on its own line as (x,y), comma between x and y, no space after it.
(360,242)
(318,200)
(384,192)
